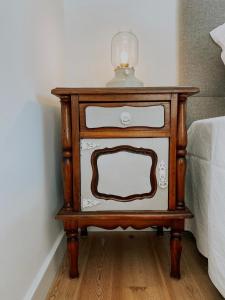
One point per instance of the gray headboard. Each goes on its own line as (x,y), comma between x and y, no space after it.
(199,57)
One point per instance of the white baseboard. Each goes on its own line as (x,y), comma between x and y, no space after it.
(44,278)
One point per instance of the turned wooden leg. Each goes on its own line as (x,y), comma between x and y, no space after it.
(83,231)
(73,247)
(175,249)
(159,230)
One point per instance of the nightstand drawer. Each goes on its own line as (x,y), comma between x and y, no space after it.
(124,115)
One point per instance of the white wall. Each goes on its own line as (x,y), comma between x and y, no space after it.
(31,61)
(90,26)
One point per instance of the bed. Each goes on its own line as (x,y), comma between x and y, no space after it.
(205,193)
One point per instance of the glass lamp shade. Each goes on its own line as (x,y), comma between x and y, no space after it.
(124,57)
(124,50)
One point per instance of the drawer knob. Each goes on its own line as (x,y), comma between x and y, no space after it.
(125,118)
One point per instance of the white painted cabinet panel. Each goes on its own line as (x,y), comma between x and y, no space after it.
(124,173)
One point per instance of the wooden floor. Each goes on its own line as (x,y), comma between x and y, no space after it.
(133,266)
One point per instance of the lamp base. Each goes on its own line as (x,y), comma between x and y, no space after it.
(124,77)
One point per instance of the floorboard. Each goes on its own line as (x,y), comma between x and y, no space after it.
(133,266)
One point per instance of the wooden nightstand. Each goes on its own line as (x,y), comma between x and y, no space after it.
(124,161)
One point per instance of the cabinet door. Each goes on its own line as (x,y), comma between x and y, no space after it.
(124,174)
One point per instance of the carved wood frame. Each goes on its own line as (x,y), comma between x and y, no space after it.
(95,175)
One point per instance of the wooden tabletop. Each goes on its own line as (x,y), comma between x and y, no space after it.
(137,90)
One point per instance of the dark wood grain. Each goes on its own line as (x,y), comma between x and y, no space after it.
(66,139)
(176,247)
(76,152)
(108,91)
(124,219)
(172,153)
(73,248)
(138,215)
(121,97)
(159,230)
(118,133)
(84,231)
(181,151)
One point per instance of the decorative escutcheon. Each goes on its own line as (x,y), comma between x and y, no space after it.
(163,183)
(89,202)
(125,118)
(84,145)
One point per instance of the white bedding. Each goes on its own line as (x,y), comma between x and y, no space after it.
(205,193)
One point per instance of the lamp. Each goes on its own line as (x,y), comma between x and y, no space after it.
(124,57)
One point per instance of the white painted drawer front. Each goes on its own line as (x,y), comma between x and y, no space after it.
(123,173)
(125,116)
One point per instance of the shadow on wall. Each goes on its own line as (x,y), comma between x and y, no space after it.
(38,150)
(200,63)
(35,134)
(51,137)
(31,184)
